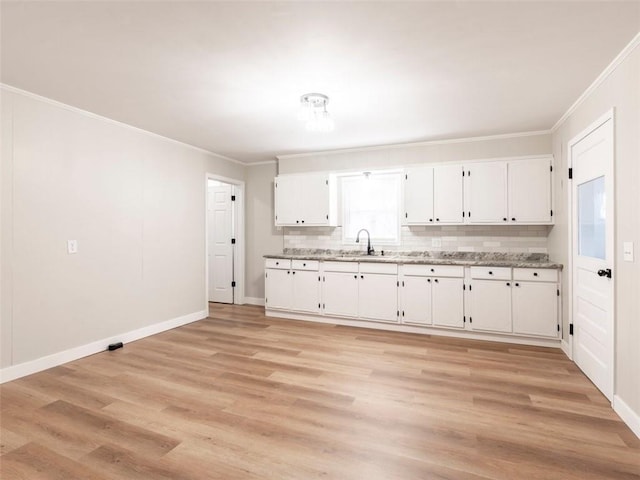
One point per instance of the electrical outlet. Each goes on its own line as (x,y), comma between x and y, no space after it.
(436,242)
(627,251)
(72,246)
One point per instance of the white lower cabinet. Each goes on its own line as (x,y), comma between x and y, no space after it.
(378,296)
(340,294)
(536,306)
(278,289)
(490,306)
(433,295)
(447,299)
(501,300)
(292,287)
(416,300)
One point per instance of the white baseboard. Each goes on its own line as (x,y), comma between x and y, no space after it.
(628,416)
(566,348)
(254,301)
(33,366)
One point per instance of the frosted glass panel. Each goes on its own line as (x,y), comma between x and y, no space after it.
(592,218)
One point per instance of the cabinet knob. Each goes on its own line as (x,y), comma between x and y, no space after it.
(535,274)
(508,284)
(294,273)
(431,219)
(432,270)
(513,219)
(301,221)
(504,218)
(429,280)
(517,284)
(355,276)
(361,276)
(277,263)
(490,273)
(437,219)
(435,280)
(304,264)
(297,221)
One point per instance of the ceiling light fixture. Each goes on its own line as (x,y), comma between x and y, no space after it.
(313,111)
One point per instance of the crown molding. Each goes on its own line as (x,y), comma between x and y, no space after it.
(417,144)
(621,57)
(86,113)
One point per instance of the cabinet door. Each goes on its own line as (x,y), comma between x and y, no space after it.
(490,306)
(447,194)
(530,191)
(486,192)
(416,300)
(286,200)
(340,294)
(312,203)
(418,196)
(306,291)
(447,301)
(278,289)
(378,297)
(535,309)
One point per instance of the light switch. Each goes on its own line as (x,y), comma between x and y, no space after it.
(436,242)
(72,246)
(627,251)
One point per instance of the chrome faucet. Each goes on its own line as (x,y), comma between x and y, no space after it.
(370,249)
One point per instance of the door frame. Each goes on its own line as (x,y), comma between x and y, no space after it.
(608,116)
(239,253)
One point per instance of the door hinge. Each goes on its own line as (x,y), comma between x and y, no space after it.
(570,173)
(233,241)
(233,284)
(233,198)
(571,329)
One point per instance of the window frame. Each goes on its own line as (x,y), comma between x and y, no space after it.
(350,241)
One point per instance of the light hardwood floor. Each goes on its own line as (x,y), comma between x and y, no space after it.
(242,396)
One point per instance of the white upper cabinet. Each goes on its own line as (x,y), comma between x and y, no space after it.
(509,192)
(486,192)
(305,200)
(433,195)
(447,194)
(418,196)
(530,191)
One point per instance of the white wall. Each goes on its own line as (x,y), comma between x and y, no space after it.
(134,201)
(621,90)
(262,236)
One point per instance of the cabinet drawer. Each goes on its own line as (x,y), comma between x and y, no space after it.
(433,270)
(491,273)
(351,267)
(305,265)
(535,274)
(389,268)
(279,263)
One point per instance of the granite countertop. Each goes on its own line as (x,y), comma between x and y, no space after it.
(489,259)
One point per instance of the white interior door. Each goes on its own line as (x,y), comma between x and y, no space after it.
(220,255)
(592,254)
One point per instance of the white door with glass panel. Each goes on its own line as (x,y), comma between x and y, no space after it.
(591,157)
(220,254)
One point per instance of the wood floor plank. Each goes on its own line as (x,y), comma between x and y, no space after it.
(243,396)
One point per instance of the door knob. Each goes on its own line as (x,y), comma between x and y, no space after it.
(605,273)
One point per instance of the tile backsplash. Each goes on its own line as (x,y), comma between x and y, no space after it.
(462,238)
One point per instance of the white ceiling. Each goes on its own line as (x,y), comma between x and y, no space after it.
(227,77)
